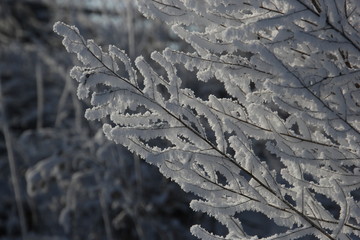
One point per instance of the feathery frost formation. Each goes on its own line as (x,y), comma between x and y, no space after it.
(291,72)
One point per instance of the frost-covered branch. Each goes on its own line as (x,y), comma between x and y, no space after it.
(291,73)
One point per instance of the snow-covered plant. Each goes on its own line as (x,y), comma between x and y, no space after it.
(292,79)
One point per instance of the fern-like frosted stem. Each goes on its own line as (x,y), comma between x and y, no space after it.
(212,146)
(289,70)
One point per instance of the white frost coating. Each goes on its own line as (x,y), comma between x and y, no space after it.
(201,233)
(174,83)
(285,131)
(121,55)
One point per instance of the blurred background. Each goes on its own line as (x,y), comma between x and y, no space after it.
(59,177)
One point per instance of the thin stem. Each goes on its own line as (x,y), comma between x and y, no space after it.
(130,28)
(40,96)
(104,209)
(13,167)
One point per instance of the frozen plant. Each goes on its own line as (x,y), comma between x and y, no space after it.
(291,73)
